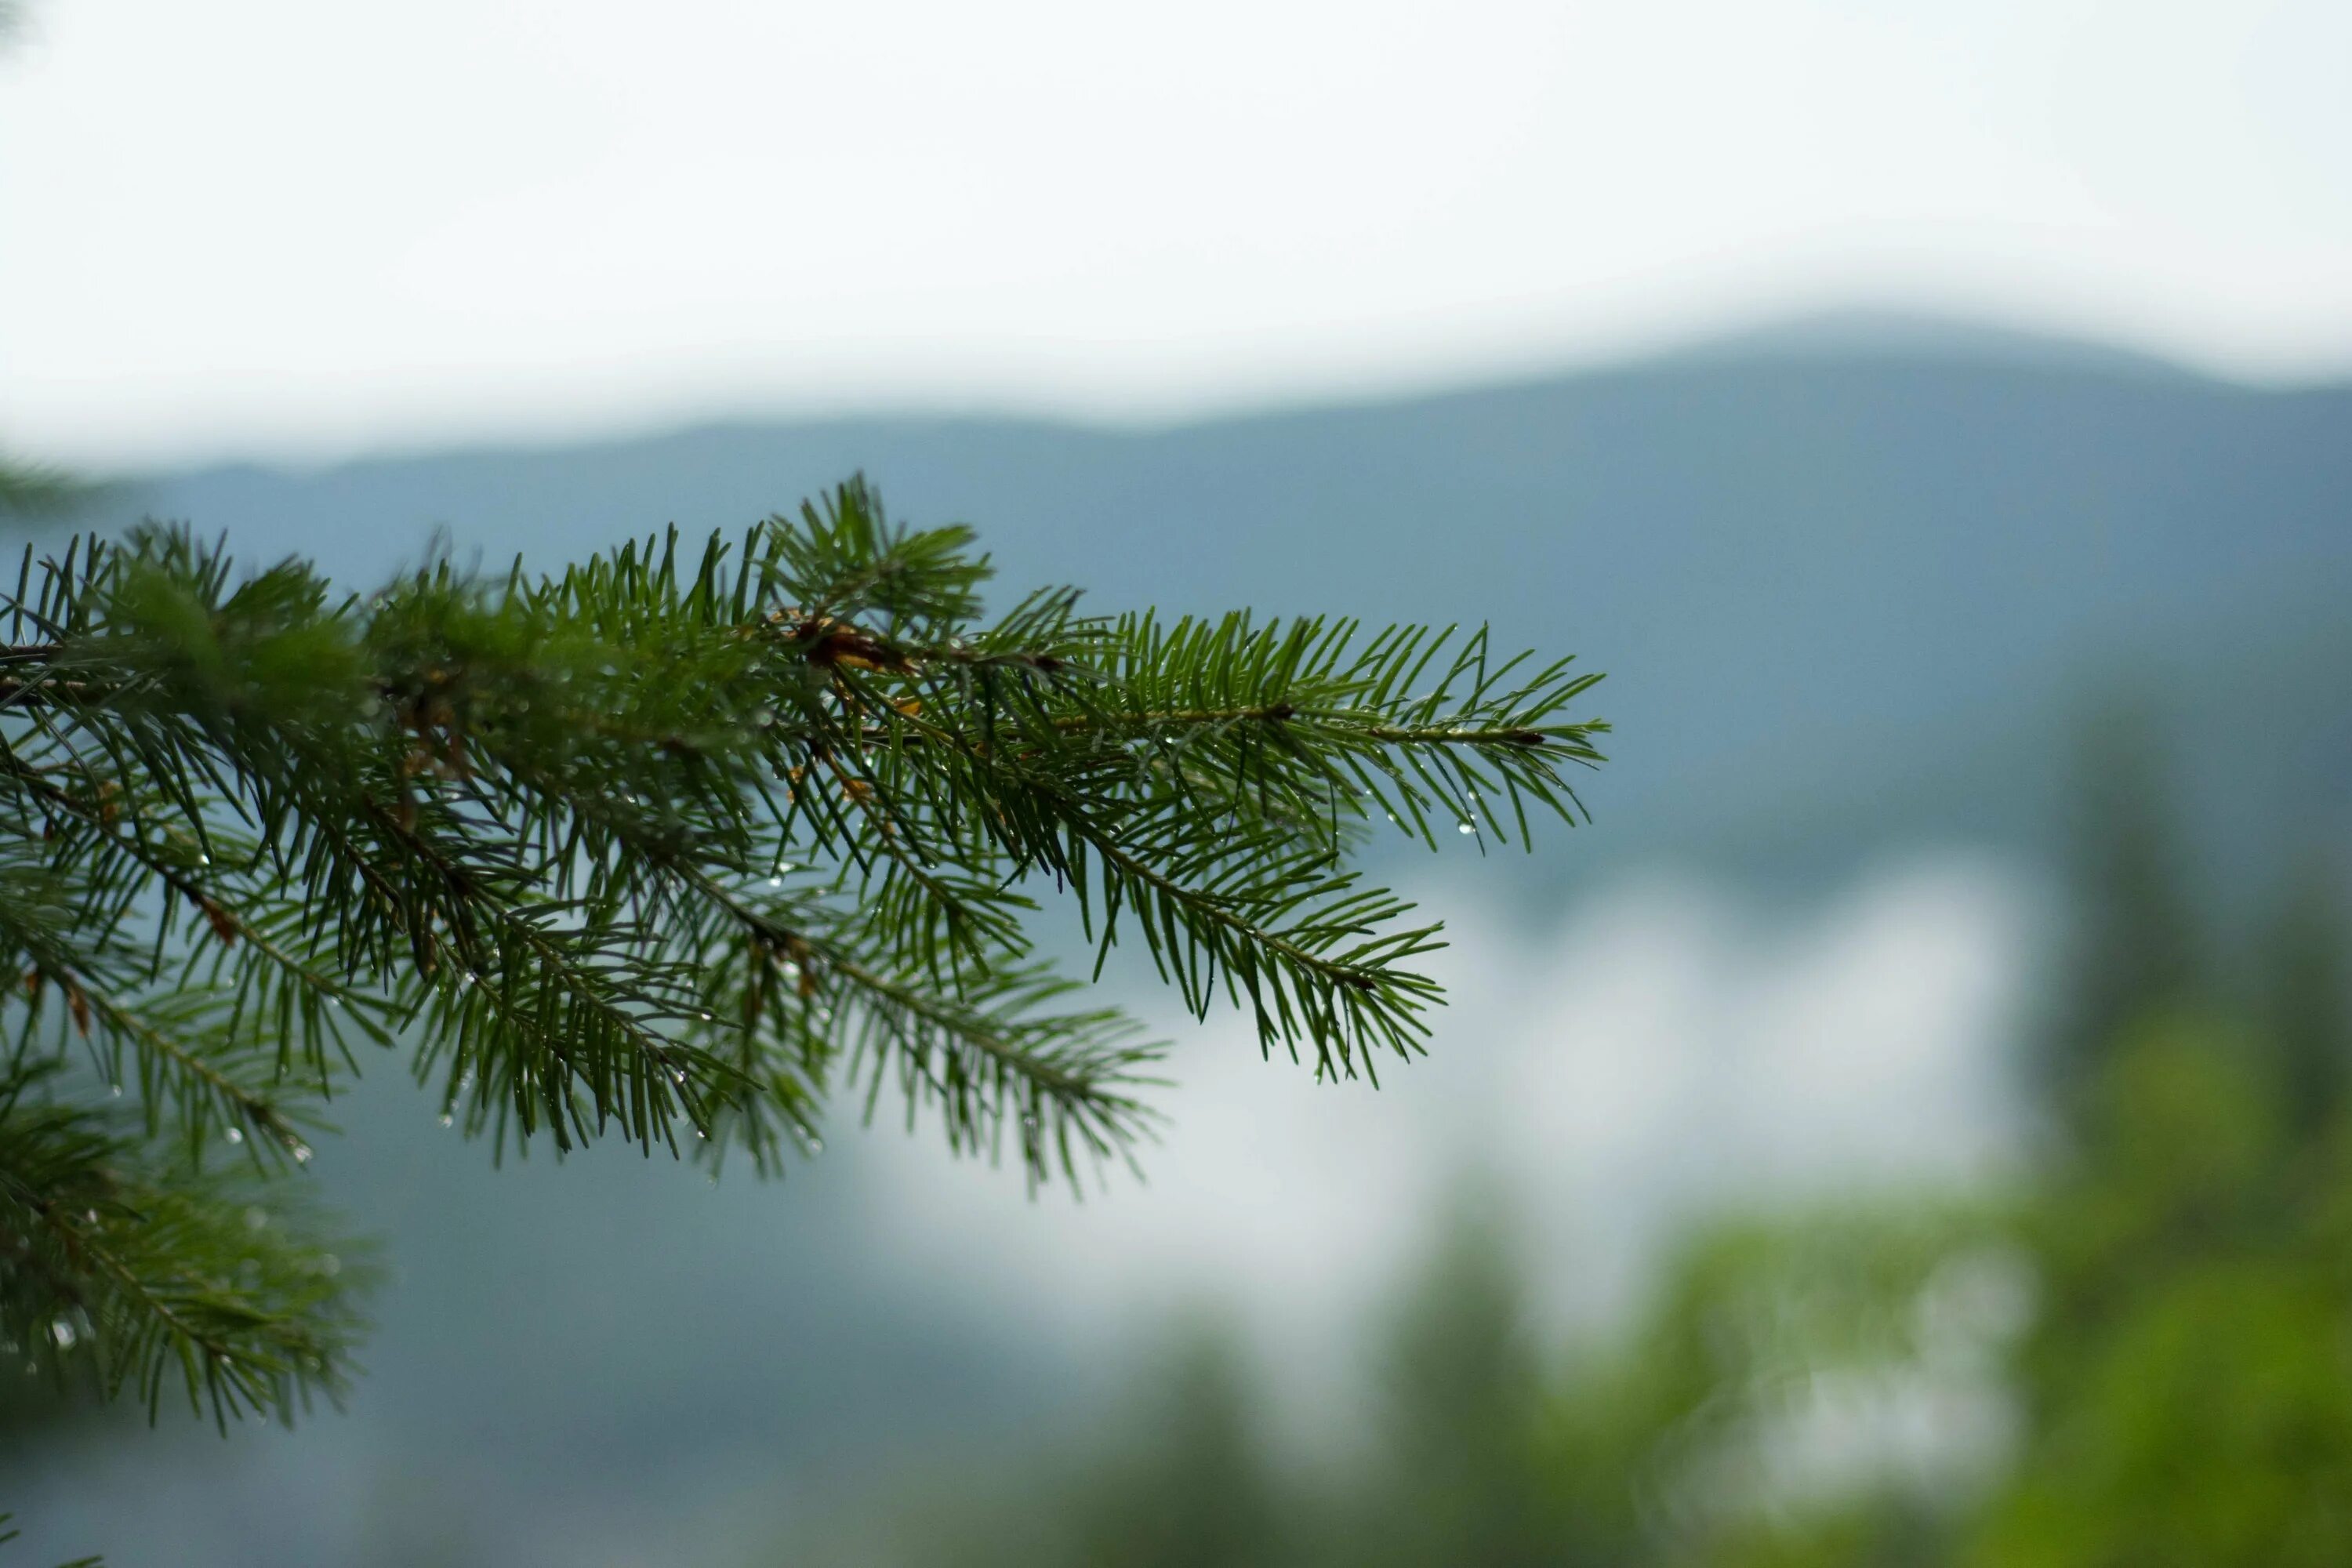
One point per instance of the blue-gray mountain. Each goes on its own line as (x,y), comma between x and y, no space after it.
(1850,581)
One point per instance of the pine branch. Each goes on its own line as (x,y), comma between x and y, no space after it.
(514,816)
(140,1277)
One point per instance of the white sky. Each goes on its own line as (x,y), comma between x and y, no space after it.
(289,226)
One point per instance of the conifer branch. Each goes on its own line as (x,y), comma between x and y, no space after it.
(127,1273)
(671,845)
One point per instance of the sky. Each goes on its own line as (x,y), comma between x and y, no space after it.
(275,227)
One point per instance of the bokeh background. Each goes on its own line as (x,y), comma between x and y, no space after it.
(1906,1125)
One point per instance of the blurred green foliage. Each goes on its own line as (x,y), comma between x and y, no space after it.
(2188,1387)
(2139,1353)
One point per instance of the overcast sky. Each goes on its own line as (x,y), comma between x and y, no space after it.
(291,227)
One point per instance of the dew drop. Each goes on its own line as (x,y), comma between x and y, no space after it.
(115,1090)
(446,1119)
(234,1136)
(302,1152)
(705,1017)
(63,1332)
(1469,827)
(776,881)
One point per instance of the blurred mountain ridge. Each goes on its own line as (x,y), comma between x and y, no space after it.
(1872,562)
(1896,333)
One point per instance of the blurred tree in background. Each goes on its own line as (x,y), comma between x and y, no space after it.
(2307,996)
(2187,1391)
(1456,1471)
(1201,1489)
(2136,947)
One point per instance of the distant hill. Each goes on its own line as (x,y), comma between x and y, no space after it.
(1849,578)
(1863,334)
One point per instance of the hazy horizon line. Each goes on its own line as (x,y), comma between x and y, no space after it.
(1863,330)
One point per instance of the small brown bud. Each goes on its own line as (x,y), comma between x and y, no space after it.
(224,924)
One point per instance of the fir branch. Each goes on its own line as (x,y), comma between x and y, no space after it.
(133,1274)
(672,846)
(514,813)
